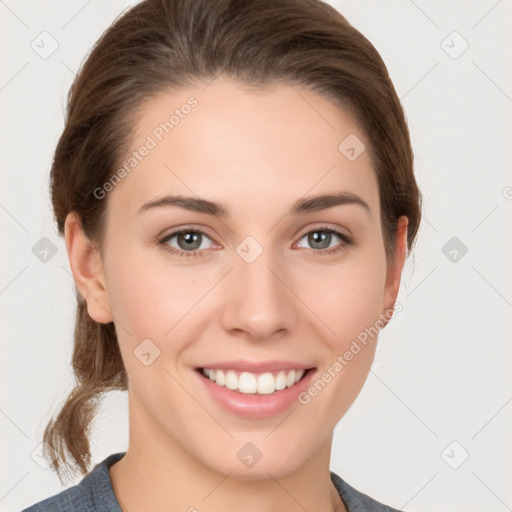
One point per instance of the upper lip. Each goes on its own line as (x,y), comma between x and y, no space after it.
(257,366)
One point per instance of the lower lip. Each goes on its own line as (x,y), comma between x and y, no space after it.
(252,405)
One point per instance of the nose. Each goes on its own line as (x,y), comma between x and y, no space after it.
(260,302)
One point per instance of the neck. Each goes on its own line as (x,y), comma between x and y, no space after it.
(157,474)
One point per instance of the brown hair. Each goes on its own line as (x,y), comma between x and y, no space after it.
(161,44)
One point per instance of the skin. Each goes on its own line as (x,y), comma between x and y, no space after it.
(255,152)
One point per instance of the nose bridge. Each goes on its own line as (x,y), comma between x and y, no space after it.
(259,303)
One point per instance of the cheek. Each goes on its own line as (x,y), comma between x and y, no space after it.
(350,306)
(146,297)
(348,297)
(133,296)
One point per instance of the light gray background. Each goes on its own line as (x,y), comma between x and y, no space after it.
(443,366)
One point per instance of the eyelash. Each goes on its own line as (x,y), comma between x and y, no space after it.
(345,240)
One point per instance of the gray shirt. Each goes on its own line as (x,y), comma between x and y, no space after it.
(95,494)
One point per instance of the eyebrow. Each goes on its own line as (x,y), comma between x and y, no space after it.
(300,207)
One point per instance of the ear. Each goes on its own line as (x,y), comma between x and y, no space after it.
(394,272)
(87,268)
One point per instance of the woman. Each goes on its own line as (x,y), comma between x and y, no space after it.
(235,187)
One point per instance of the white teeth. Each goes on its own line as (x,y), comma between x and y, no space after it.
(266,384)
(220,378)
(280,382)
(231,380)
(246,382)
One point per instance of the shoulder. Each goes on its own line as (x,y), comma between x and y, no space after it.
(93,494)
(356,501)
(73,498)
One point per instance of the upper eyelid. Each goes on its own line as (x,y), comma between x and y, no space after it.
(176,232)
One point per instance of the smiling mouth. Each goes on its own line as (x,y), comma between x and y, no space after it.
(266,383)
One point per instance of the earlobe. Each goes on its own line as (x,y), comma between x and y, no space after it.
(394,272)
(87,270)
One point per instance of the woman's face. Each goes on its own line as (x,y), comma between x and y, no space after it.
(268,281)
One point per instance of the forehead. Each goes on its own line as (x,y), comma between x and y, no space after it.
(240,145)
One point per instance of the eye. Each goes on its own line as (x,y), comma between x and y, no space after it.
(189,242)
(321,239)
